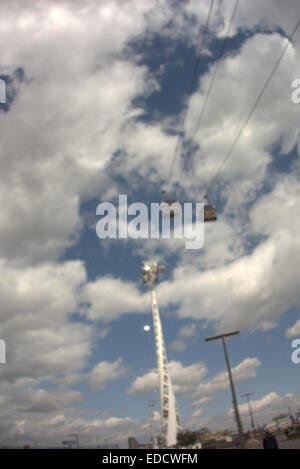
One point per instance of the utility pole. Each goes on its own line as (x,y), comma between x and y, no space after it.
(234,399)
(291,416)
(247,395)
(171,422)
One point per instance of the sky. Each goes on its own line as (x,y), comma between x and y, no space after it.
(96,93)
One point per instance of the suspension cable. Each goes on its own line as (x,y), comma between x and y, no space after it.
(186,105)
(215,70)
(233,145)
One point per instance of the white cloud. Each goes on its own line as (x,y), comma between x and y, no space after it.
(145,384)
(243,371)
(264,410)
(42,400)
(104,372)
(293,330)
(197,413)
(57,421)
(269,406)
(185,333)
(110,297)
(41,340)
(72,113)
(184,378)
(257,405)
(230,102)
(203,400)
(190,380)
(188,331)
(65,161)
(270,14)
(259,293)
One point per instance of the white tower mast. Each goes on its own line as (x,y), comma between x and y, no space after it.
(153,434)
(170,417)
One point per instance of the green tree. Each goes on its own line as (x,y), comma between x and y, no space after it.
(186,438)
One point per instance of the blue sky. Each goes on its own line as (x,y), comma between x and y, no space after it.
(95,100)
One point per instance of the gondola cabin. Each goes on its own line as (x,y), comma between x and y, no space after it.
(210,213)
(170,208)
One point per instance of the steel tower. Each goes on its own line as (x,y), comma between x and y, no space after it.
(171,423)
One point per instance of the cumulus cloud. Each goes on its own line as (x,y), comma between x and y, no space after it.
(268,407)
(41,340)
(57,421)
(264,410)
(189,380)
(104,372)
(184,378)
(108,298)
(202,400)
(197,413)
(42,400)
(247,166)
(70,115)
(78,123)
(185,334)
(293,330)
(259,293)
(243,371)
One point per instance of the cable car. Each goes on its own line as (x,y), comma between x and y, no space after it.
(169,208)
(166,205)
(210,213)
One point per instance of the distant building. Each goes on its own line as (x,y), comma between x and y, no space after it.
(273,427)
(132,443)
(218,436)
(108,446)
(203,431)
(144,445)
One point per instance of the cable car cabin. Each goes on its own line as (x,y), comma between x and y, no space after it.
(210,213)
(170,208)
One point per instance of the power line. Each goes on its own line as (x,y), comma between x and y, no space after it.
(186,106)
(253,107)
(222,50)
(215,70)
